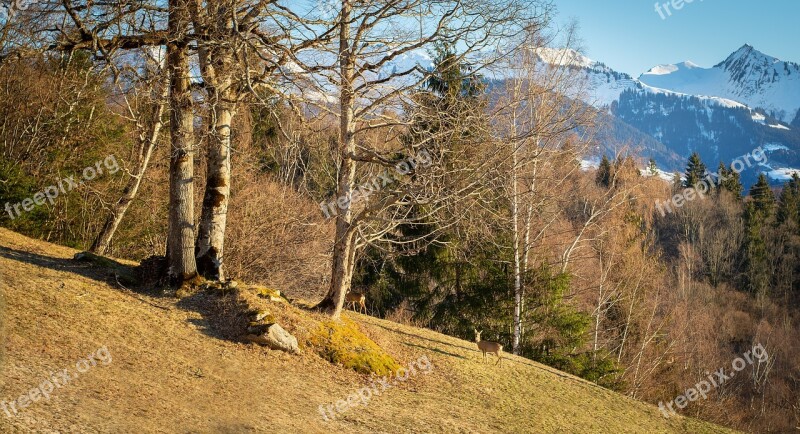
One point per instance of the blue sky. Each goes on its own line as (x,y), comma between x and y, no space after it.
(630,36)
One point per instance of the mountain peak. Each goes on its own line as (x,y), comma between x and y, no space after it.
(672,68)
(747,76)
(747,55)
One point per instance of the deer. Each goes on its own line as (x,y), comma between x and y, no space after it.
(353,298)
(488,347)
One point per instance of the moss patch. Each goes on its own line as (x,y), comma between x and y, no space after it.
(268,293)
(343,343)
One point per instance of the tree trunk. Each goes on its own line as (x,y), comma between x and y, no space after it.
(213,220)
(217,57)
(148,144)
(517,251)
(180,243)
(344,249)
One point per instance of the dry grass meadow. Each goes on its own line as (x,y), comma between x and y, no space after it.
(173,372)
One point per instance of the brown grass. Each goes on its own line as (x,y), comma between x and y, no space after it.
(173,371)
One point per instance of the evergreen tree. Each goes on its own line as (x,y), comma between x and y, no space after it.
(730,180)
(756,261)
(432,274)
(695,171)
(763,197)
(758,272)
(603,177)
(789,201)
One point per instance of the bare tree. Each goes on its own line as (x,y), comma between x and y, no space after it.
(149,133)
(364,69)
(540,110)
(242,46)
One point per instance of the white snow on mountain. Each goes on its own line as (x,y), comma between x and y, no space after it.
(406,61)
(565,57)
(782,174)
(661,174)
(747,76)
(605,85)
(712,100)
(691,80)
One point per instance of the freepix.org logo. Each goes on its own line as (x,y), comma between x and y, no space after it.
(665,9)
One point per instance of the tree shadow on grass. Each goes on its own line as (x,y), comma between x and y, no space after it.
(223,317)
(103,270)
(515,360)
(435,350)
(394,330)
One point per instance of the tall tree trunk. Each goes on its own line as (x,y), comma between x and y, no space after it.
(526,258)
(180,242)
(344,248)
(217,57)
(517,250)
(148,144)
(213,219)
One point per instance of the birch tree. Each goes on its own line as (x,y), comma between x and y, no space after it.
(242,46)
(540,108)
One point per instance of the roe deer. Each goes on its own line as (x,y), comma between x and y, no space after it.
(489,347)
(353,298)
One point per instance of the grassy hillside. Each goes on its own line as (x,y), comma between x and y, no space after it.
(167,370)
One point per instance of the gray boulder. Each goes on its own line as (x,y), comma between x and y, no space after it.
(274,337)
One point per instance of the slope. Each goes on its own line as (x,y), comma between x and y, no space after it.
(169,371)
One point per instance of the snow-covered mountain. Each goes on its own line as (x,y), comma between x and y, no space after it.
(747,76)
(746,101)
(605,84)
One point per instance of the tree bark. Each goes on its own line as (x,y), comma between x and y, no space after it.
(217,57)
(180,243)
(148,143)
(344,249)
(517,250)
(213,220)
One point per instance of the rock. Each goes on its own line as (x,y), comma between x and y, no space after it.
(219,288)
(232,284)
(269,294)
(274,337)
(261,314)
